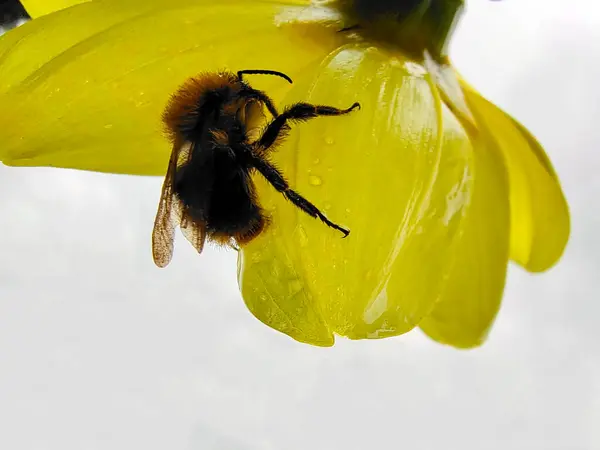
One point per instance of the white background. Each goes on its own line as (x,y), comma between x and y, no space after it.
(99,349)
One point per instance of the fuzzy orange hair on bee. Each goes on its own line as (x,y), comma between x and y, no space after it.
(208,190)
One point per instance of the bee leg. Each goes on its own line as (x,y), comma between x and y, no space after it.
(273,176)
(297,112)
(261,97)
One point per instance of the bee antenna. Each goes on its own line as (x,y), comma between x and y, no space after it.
(264,72)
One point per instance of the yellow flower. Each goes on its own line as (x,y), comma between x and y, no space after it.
(438,186)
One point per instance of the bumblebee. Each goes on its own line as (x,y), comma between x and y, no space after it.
(208,191)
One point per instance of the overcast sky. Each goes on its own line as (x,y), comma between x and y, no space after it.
(99,349)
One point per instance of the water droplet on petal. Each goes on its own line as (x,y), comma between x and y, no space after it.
(256,257)
(294,286)
(275,268)
(329,140)
(315,180)
(316,161)
(302,236)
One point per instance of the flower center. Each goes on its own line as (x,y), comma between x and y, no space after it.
(412,25)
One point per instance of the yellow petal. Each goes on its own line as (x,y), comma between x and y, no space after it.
(450,90)
(36,8)
(388,172)
(471,298)
(540,222)
(85,87)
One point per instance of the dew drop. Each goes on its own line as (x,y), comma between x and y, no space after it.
(327,206)
(108,126)
(329,140)
(348,210)
(316,161)
(315,180)
(276,267)
(294,286)
(302,236)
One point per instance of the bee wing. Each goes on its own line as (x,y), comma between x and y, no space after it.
(170,214)
(194,232)
(167,217)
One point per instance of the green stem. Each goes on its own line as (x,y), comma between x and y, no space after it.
(412,25)
(439,21)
